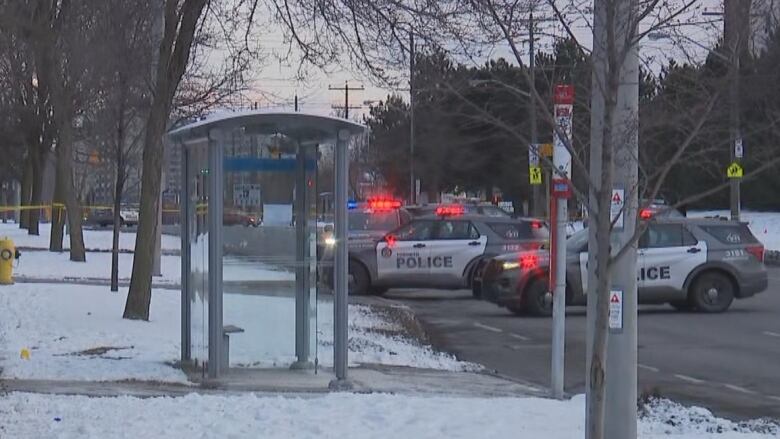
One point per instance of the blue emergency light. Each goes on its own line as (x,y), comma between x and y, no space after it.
(352,204)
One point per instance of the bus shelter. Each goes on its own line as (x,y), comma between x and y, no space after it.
(249,207)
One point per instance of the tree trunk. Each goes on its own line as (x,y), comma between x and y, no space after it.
(174,52)
(72,205)
(37,188)
(119,185)
(57,210)
(26,196)
(117,225)
(140,295)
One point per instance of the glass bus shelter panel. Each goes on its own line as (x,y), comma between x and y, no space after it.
(261,262)
(197,173)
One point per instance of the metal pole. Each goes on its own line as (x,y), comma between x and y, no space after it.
(302,280)
(340,267)
(564,100)
(346,100)
(184,223)
(216,147)
(536,196)
(412,198)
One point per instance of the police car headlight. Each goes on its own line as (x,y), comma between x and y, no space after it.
(330,241)
(510,265)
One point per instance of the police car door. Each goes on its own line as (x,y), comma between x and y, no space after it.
(403,255)
(456,243)
(667,254)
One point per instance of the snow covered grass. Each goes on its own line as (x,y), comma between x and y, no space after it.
(93,239)
(76,332)
(764,225)
(337,416)
(64,327)
(57,266)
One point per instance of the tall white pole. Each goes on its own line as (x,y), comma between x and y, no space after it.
(564,100)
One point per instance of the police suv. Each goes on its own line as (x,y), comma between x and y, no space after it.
(439,251)
(701,264)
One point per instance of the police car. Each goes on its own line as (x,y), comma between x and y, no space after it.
(439,251)
(701,264)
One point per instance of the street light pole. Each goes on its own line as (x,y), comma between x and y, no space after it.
(412,191)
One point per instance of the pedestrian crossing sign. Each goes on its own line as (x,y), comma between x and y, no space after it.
(535,174)
(734,170)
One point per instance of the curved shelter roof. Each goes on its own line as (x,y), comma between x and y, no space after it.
(304,127)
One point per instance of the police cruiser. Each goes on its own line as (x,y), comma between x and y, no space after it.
(692,264)
(439,251)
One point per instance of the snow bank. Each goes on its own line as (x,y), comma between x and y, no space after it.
(76,332)
(331,416)
(93,239)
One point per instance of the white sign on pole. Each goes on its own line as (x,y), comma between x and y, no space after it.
(561,156)
(739,151)
(533,155)
(246,195)
(616,310)
(616,208)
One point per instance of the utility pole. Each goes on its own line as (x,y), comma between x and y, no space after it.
(296,102)
(736,14)
(346,106)
(618,329)
(412,185)
(536,207)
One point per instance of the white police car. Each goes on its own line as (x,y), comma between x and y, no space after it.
(439,251)
(701,264)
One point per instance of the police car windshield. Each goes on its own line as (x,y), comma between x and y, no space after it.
(373,221)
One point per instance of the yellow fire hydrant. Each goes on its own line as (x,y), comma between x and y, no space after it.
(8,253)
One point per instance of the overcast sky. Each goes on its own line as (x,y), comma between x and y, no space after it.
(274,84)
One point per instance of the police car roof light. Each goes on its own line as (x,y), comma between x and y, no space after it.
(452,210)
(352,204)
(383,204)
(645,214)
(536,224)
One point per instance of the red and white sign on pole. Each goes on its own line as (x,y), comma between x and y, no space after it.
(563,99)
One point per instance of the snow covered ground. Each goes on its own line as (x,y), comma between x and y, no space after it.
(57,266)
(93,239)
(341,416)
(76,332)
(764,225)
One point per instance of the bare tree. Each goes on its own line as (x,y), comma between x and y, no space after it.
(179,23)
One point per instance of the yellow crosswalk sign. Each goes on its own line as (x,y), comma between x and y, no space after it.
(734,170)
(535,174)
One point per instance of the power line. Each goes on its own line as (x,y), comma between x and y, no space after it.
(346,107)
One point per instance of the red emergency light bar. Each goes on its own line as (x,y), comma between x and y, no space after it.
(645,214)
(537,225)
(453,210)
(383,204)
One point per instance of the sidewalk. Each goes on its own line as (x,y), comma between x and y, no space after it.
(395,380)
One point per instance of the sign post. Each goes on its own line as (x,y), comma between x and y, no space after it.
(561,192)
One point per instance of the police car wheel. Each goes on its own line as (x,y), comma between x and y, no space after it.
(712,292)
(537,299)
(359,282)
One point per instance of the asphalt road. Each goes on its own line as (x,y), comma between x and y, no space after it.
(729,363)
